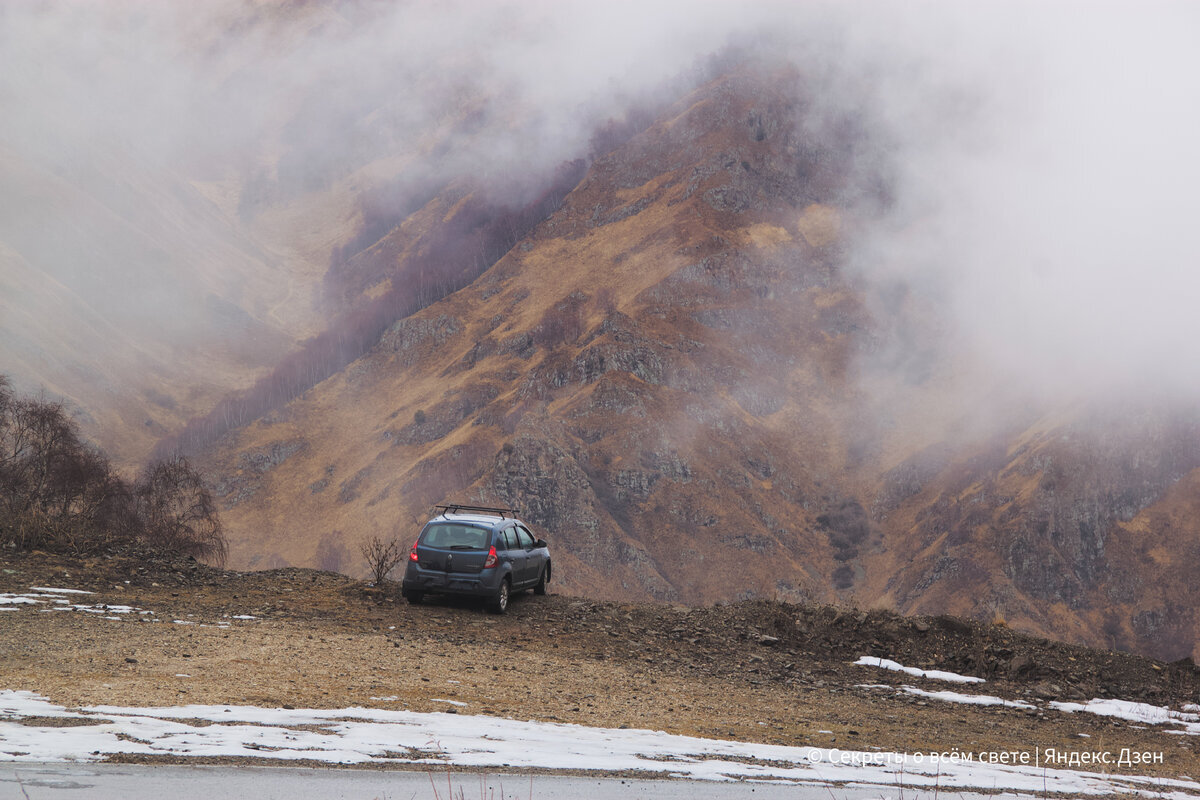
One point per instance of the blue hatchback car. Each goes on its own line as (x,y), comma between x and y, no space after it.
(476,551)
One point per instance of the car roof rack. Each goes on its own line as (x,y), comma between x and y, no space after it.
(454,508)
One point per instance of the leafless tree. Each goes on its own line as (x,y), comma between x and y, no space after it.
(39,451)
(179,512)
(88,507)
(382,557)
(60,492)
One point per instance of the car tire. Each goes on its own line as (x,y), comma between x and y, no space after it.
(499,602)
(541,584)
(414,597)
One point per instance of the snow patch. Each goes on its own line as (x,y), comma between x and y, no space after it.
(41,595)
(932,674)
(368,735)
(1137,712)
(952,697)
(968,699)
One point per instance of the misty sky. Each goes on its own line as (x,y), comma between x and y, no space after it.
(1045,152)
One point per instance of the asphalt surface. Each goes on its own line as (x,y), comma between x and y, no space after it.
(129,782)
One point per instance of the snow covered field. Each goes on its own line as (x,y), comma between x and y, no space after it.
(32,729)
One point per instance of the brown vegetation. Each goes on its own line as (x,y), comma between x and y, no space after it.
(59,493)
(668,374)
(451,255)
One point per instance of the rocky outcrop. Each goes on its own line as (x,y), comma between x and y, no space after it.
(675,380)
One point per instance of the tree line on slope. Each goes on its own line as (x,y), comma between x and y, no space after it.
(59,493)
(452,256)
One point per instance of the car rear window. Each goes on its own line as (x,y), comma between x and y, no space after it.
(451,535)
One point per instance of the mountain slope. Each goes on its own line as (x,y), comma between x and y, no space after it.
(576,353)
(1079,524)
(165,234)
(681,377)
(128,351)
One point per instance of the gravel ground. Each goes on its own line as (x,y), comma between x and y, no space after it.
(754,671)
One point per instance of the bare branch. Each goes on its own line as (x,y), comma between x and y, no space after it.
(382,557)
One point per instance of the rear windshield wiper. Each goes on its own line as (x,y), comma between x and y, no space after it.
(464,547)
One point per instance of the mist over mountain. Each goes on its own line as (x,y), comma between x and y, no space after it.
(887,305)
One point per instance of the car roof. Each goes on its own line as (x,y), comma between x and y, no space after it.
(474,519)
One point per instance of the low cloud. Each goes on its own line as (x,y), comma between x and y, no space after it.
(1042,157)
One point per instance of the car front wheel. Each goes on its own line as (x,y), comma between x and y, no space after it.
(541,584)
(414,597)
(499,602)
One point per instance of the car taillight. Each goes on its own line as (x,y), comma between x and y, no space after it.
(491,558)
(412,554)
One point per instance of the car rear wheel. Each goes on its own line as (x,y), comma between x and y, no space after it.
(414,597)
(499,601)
(542,579)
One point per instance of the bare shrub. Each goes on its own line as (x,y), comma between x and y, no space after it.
(382,557)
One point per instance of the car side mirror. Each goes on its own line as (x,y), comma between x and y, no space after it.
(540,543)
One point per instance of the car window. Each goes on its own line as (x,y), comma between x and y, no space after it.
(525,538)
(509,539)
(454,536)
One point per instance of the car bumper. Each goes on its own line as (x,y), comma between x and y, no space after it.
(482,584)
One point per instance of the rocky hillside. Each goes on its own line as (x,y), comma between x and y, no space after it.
(162,254)
(1080,525)
(632,375)
(682,380)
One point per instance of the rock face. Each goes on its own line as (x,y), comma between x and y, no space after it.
(666,378)
(1071,522)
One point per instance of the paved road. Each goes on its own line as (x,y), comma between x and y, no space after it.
(129,782)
